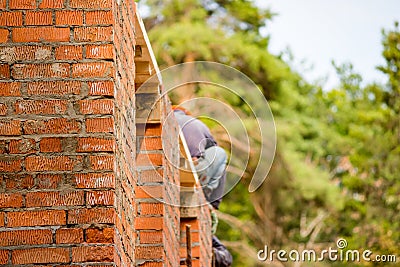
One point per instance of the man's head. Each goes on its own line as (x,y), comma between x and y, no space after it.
(176,107)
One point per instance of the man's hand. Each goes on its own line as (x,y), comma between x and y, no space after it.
(214,221)
(207,191)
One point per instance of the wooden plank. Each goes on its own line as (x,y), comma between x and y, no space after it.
(189,204)
(187,177)
(184,150)
(138,51)
(142,78)
(143,67)
(150,115)
(147,121)
(140,40)
(147,53)
(148,87)
(142,54)
(146,101)
(188,213)
(148,107)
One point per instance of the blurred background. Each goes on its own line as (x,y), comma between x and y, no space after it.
(336,172)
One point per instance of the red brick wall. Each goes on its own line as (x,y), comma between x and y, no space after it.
(158,223)
(58,142)
(200,236)
(125,132)
(72,190)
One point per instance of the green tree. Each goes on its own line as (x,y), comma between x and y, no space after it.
(336,168)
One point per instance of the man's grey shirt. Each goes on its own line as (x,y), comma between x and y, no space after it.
(197,134)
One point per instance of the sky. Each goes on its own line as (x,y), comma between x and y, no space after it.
(319,31)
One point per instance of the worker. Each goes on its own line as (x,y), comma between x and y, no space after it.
(210,163)
(221,255)
(209,159)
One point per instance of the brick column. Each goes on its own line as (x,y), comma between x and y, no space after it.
(72,190)
(58,140)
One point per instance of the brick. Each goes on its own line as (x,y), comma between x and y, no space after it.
(11,18)
(3,149)
(22,4)
(99,17)
(69,236)
(91,4)
(51,3)
(55,70)
(4,255)
(95,235)
(93,254)
(90,216)
(10,128)
(149,223)
(48,181)
(11,200)
(194,223)
(51,126)
(105,88)
(2,220)
(94,144)
(41,107)
(67,17)
(5,71)
(69,52)
(25,237)
(100,198)
(93,69)
(105,162)
(4,33)
(19,182)
(194,235)
(100,51)
(95,180)
(147,253)
(51,144)
(53,199)
(10,89)
(198,263)
(149,160)
(100,125)
(42,34)
(153,237)
(93,34)
(55,163)
(54,88)
(10,164)
(40,255)
(152,129)
(154,264)
(3,109)
(38,18)
(151,209)
(149,191)
(151,176)
(24,146)
(36,218)
(25,53)
(195,252)
(102,106)
(151,143)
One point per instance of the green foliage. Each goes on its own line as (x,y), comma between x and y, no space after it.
(338,156)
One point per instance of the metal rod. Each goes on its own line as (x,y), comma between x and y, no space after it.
(188,246)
